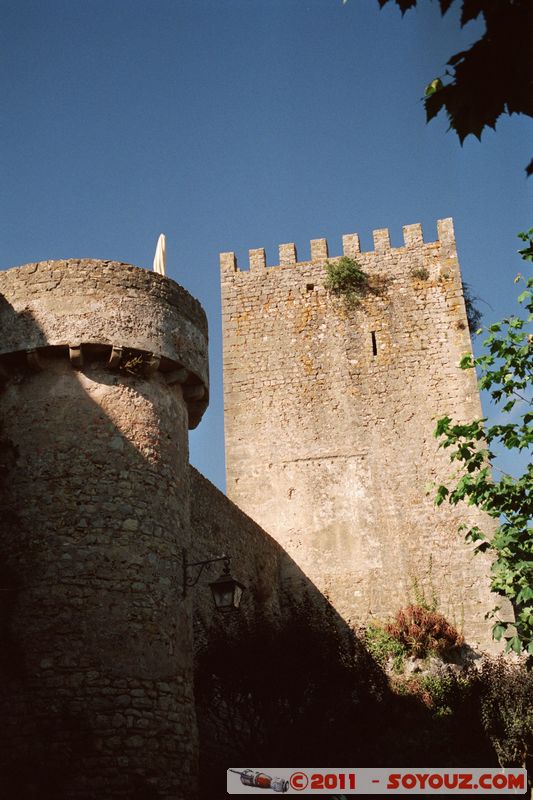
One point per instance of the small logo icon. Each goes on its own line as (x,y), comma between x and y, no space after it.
(250,777)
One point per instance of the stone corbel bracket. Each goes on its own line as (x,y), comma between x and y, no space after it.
(81,355)
(115,358)
(75,355)
(33,360)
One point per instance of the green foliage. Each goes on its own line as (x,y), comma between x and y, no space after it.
(494,76)
(505,370)
(346,278)
(527,251)
(422,632)
(383,646)
(506,708)
(494,696)
(442,694)
(421,273)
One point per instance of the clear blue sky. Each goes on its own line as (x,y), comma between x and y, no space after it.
(231,124)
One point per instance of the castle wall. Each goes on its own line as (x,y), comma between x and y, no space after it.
(257,561)
(284,623)
(275,584)
(219,527)
(329,416)
(96,692)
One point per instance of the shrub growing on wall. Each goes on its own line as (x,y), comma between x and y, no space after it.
(423,631)
(345,278)
(473,314)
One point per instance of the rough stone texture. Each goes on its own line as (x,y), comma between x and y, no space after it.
(276,588)
(330,448)
(329,415)
(88,302)
(221,528)
(274,582)
(96,693)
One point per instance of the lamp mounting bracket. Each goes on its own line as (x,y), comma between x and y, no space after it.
(191,578)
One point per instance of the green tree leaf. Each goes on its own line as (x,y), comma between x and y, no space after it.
(505,371)
(491,78)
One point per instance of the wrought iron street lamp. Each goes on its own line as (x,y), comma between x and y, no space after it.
(226,591)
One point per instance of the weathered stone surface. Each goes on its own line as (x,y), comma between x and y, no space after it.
(330,413)
(258,561)
(96,658)
(87,302)
(329,417)
(276,588)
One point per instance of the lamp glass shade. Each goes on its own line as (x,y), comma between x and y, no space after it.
(227,592)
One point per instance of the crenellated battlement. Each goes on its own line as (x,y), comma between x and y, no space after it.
(351,246)
(330,401)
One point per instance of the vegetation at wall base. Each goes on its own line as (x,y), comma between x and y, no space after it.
(417,631)
(385,647)
(506,709)
(440,694)
(506,369)
(305,686)
(497,692)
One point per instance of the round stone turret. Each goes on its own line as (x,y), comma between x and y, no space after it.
(115,311)
(103,367)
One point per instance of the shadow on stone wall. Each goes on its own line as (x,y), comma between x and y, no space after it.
(288,682)
(302,696)
(92,620)
(93,683)
(295,698)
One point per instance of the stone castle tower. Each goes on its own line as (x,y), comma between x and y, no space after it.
(104,368)
(329,432)
(329,419)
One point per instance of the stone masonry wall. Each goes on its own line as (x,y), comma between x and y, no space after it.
(105,304)
(277,594)
(96,692)
(329,416)
(275,585)
(219,527)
